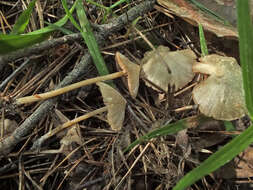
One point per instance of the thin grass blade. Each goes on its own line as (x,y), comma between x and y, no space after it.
(10,42)
(59,23)
(60,28)
(98,5)
(245,30)
(71,18)
(210,12)
(23,19)
(203,46)
(90,40)
(118,3)
(167,130)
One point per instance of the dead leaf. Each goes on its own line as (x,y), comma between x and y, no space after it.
(193,15)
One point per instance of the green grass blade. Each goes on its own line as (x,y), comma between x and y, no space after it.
(229,126)
(218,159)
(203,46)
(59,23)
(90,40)
(210,12)
(168,130)
(245,30)
(23,19)
(59,28)
(117,3)
(98,5)
(71,18)
(10,43)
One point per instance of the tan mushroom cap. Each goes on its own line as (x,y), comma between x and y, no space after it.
(115,104)
(221,95)
(157,65)
(133,73)
(154,70)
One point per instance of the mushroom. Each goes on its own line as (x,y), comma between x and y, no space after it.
(221,95)
(133,71)
(129,68)
(163,67)
(115,104)
(115,107)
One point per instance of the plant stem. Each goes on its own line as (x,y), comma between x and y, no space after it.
(75,121)
(57,92)
(37,144)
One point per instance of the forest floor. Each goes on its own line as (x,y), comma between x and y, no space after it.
(90,155)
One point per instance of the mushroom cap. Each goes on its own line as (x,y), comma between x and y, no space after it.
(115,104)
(163,67)
(154,70)
(221,95)
(133,73)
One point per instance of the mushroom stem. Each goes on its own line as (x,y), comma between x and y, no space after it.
(204,68)
(37,144)
(57,92)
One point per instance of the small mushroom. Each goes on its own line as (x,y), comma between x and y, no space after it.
(115,104)
(128,68)
(221,95)
(115,107)
(133,71)
(163,67)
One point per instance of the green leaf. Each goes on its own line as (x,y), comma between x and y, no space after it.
(71,18)
(98,5)
(210,12)
(245,30)
(203,46)
(229,126)
(60,28)
(218,159)
(59,23)
(167,130)
(10,43)
(90,40)
(23,19)
(118,3)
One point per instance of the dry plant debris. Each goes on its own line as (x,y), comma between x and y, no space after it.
(193,15)
(115,107)
(221,95)
(163,67)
